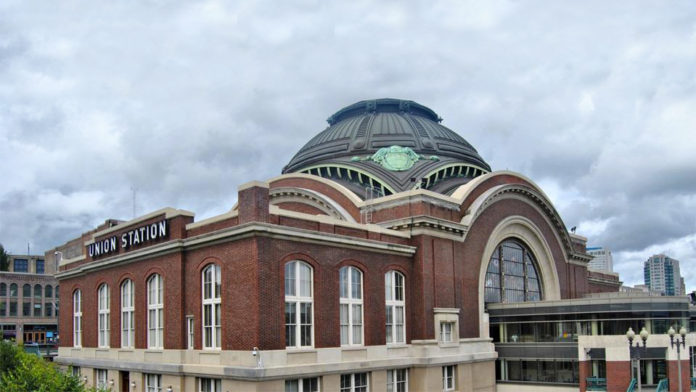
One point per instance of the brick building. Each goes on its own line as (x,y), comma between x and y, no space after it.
(368,264)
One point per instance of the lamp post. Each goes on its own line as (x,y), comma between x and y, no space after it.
(636,350)
(677,342)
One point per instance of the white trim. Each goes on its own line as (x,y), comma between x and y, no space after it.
(77,318)
(296,299)
(397,306)
(103,316)
(127,314)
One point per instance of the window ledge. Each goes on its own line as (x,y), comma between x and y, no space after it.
(294,350)
(353,348)
(209,352)
(397,345)
(154,350)
(126,350)
(448,344)
(103,349)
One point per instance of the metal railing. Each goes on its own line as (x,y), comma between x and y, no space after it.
(596,384)
(663,385)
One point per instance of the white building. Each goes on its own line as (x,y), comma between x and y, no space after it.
(601,259)
(662,274)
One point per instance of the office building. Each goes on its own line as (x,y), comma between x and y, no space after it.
(662,274)
(601,259)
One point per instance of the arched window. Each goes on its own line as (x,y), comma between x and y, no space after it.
(155,312)
(298,304)
(395,307)
(512,275)
(127,312)
(212,334)
(351,306)
(26,291)
(3,290)
(38,291)
(103,310)
(13,290)
(48,293)
(77,318)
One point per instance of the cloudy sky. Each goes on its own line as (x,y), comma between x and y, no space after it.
(184,101)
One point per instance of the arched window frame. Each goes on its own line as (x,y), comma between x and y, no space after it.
(496,285)
(48,291)
(351,306)
(299,304)
(127,314)
(211,286)
(103,311)
(155,312)
(395,300)
(77,318)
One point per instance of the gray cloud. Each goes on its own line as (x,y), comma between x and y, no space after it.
(186,100)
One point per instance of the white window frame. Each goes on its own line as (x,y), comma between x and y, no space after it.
(354,322)
(77,318)
(395,306)
(127,314)
(101,378)
(394,380)
(449,379)
(211,385)
(446,331)
(103,320)
(190,331)
(153,382)
(155,312)
(300,384)
(352,387)
(294,300)
(211,293)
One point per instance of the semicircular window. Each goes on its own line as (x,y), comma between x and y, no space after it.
(512,274)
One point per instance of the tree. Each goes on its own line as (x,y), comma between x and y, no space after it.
(4,259)
(21,372)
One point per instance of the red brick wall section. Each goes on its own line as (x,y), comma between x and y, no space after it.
(300,207)
(253,204)
(322,188)
(584,371)
(618,375)
(673,374)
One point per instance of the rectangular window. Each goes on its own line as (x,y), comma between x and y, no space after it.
(21,265)
(49,309)
(448,378)
(3,308)
(189,331)
(397,380)
(153,383)
(76,371)
(13,309)
(26,309)
(101,376)
(356,382)
(209,385)
(40,266)
(302,385)
(38,311)
(446,331)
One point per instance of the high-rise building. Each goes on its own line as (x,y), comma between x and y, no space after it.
(601,259)
(661,273)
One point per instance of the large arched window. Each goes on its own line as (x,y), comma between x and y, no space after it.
(351,306)
(127,314)
(212,334)
(298,304)
(512,274)
(49,291)
(155,312)
(77,318)
(394,293)
(103,309)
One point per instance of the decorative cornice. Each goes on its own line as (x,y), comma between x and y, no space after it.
(310,197)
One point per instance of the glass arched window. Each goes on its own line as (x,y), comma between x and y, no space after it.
(212,334)
(298,305)
(77,318)
(3,290)
(103,310)
(26,291)
(351,305)
(38,291)
(48,293)
(512,274)
(155,312)
(394,291)
(127,313)
(13,290)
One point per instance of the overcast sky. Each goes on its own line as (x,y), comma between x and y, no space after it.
(184,101)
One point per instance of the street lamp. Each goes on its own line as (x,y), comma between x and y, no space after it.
(678,343)
(636,350)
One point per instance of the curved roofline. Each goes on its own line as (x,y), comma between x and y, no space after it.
(338,187)
(463,191)
(391,104)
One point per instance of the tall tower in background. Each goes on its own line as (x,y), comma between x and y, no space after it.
(601,259)
(661,273)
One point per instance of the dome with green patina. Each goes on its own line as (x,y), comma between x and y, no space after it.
(384,146)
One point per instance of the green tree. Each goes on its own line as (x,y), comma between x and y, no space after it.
(22,372)
(4,259)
